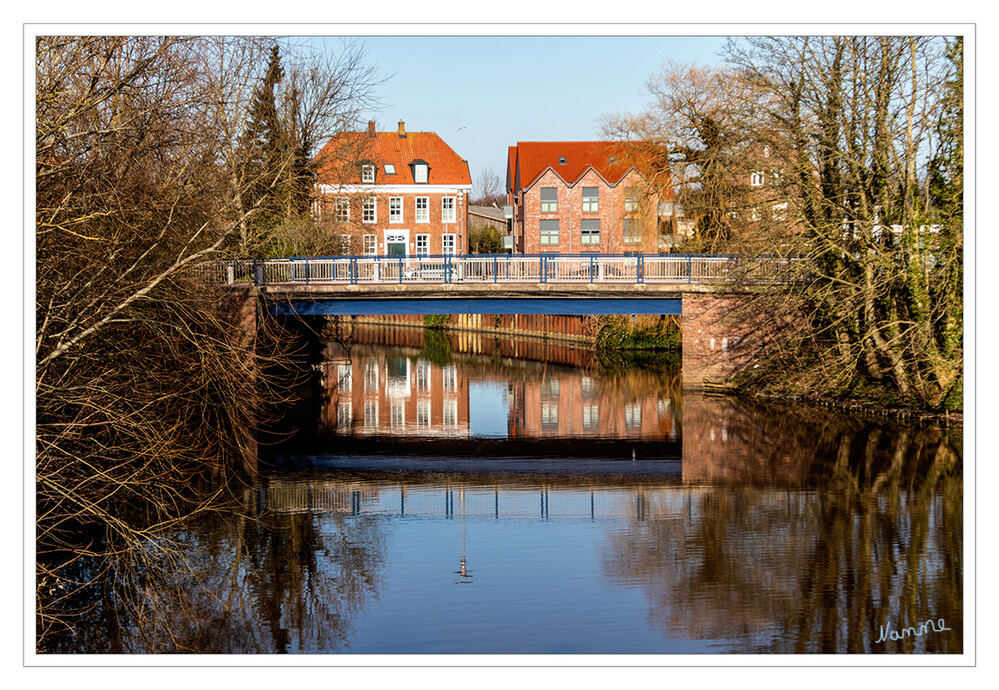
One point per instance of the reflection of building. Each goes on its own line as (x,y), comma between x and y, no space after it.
(572,404)
(395,395)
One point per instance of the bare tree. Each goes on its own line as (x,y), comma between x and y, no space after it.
(488,189)
(856,118)
(145,388)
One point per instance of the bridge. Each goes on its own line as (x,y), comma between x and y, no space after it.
(705,290)
(496,284)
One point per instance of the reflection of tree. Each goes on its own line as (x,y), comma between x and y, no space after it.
(278,583)
(879,542)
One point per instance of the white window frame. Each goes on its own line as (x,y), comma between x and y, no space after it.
(341,209)
(369,204)
(449,244)
(451,413)
(344,415)
(589,236)
(548,206)
(389,169)
(395,209)
(370,245)
(423,370)
(630,204)
(591,204)
(421,173)
(423,409)
(422,244)
(371,414)
(756,179)
(449,379)
(629,236)
(449,209)
(368,173)
(543,234)
(422,214)
(345,244)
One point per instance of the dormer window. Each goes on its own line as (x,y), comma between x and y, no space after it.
(421,172)
(389,169)
(368,174)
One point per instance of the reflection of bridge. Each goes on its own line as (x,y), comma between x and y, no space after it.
(444,501)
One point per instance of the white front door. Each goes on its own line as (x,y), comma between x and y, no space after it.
(396,242)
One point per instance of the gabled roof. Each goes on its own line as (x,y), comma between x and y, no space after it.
(341,157)
(568,159)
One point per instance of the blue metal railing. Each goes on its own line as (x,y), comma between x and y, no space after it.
(538,269)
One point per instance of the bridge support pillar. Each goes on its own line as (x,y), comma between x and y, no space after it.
(244,306)
(721,337)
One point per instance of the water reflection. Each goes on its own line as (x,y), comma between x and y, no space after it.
(457,502)
(321,560)
(400,392)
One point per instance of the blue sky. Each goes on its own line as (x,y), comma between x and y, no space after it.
(483,94)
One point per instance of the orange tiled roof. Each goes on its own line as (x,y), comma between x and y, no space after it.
(344,152)
(531,158)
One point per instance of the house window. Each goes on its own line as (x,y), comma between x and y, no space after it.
(344,377)
(370,414)
(549,232)
(423,414)
(420,171)
(549,416)
(345,244)
(632,231)
(369,213)
(397,414)
(422,376)
(591,200)
(344,415)
(449,378)
(389,169)
(423,209)
(780,211)
(423,245)
(549,200)
(395,209)
(449,244)
(633,416)
(368,174)
(451,414)
(371,377)
(369,245)
(756,179)
(590,229)
(630,204)
(341,209)
(591,417)
(447,209)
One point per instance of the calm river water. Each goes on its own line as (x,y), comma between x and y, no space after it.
(465,495)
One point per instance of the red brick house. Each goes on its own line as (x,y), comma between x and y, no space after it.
(580,196)
(394,193)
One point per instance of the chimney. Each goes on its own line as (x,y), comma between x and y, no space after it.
(402,128)
(371,129)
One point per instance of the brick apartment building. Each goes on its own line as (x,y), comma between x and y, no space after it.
(394,193)
(579,197)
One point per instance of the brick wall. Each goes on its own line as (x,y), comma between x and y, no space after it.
(720,337)
(611,214)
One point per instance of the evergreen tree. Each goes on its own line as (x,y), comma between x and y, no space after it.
(265,156)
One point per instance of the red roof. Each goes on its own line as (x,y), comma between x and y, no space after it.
(568,159)
(342,156)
